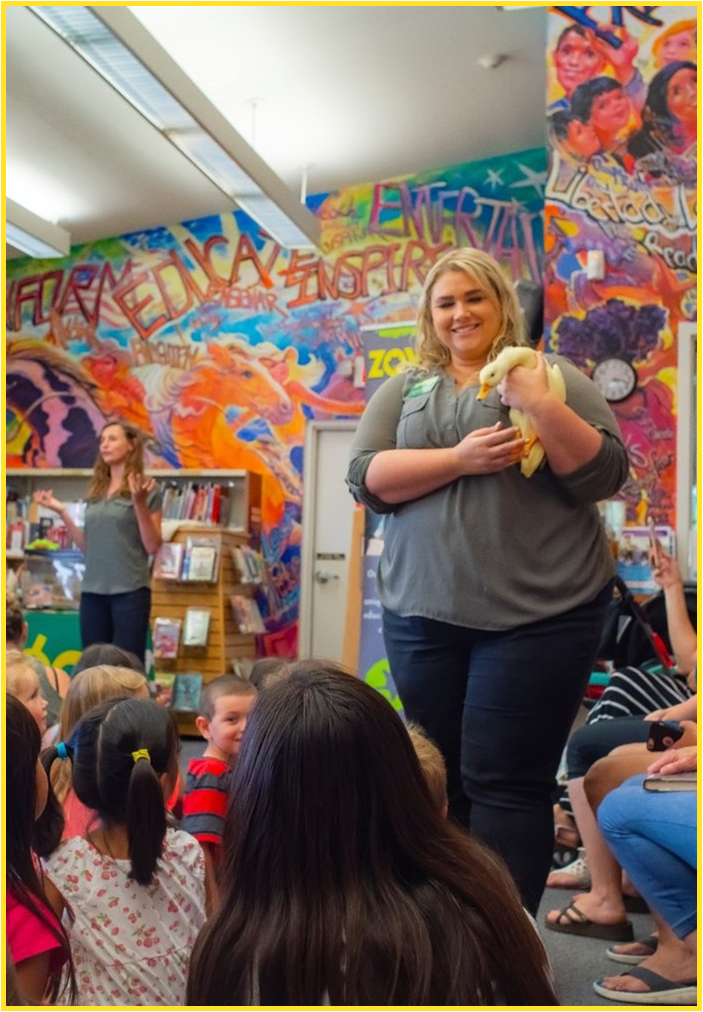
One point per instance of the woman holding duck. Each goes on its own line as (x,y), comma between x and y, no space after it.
(493,585)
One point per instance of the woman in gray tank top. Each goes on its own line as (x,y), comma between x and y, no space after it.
(122,529)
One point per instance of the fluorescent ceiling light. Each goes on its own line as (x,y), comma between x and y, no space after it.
(121,50)
(33,235)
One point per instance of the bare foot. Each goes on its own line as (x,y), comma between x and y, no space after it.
(640,947)
(600,910)
(671,964)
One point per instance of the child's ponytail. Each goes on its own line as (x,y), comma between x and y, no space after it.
(145,836)
(121,749)
(50,824)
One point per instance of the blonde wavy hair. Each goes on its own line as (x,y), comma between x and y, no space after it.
(134,463)
(88,688)
(430,351)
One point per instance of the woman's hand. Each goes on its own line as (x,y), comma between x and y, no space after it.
(140,486)
(488,450)
(45,497)
(683,760)
(525,388)
(666,570)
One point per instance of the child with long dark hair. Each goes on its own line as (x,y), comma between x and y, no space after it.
(36,939)
(341,881)
(136,888)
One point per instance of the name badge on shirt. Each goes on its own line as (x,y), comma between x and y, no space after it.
(422,387)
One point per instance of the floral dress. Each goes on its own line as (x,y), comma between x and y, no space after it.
(131,943)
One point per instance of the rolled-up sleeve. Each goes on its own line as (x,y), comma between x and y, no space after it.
(605,475)
(376,432)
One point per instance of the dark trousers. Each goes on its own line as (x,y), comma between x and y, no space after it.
(122,619)
(500,706)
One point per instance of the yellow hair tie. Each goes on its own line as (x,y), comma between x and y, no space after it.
(141,753)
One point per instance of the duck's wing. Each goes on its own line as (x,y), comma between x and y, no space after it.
(556,382)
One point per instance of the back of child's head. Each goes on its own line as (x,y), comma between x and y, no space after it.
(18,671)
(22,746)
(14,620)
(88,688)
(225,685)
(267,670)
(107,653)
(433,766)
(118,752)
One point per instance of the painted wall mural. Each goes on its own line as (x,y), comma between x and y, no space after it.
(622,127)
(219,345)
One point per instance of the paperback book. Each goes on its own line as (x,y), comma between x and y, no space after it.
(168,562)
(196,627)
(166,634)
(186,693)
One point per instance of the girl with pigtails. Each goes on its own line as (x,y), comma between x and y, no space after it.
(134,888)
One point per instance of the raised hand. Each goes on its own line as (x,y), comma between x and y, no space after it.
(140,486)
(46,497)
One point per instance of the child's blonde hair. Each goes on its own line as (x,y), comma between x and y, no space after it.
(433,766)
(18,670)
(88,688)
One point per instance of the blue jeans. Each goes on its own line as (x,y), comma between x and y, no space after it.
(653,836)
(122,619)
(500,706)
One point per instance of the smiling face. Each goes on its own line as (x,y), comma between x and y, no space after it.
(610,112)
(114,444)
(576,61)
(682,95)
(465,316)
(223,731)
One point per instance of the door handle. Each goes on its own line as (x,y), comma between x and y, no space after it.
(322,576)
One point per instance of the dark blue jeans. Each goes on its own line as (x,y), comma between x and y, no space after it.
(500,706)
(122,619)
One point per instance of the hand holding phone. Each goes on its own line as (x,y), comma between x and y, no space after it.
(655,547)
(663,734)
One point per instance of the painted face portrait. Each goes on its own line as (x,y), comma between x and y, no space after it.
(576,60)
(610,111)
(682,96)
(681,46)
(582,139)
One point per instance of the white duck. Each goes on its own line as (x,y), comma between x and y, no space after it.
(495,372)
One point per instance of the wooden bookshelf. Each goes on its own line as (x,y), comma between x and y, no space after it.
(171,598)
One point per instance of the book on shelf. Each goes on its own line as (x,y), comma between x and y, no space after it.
(163,688)
(186,692)
(196,627)
(671,782)
(201,559)
(168,562)
(199,501)
(246,614)
(166,635)
(248,563)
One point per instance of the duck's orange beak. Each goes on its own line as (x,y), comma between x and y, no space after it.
(484,390)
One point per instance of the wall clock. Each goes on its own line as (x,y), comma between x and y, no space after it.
(616,378)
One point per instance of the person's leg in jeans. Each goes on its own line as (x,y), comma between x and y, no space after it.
(130,616)
(429,661)
(653,836)
(95,619)
(524,690)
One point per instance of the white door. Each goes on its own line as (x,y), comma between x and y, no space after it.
(327,526)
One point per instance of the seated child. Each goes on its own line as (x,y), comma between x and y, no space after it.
(22,682)
(225,703)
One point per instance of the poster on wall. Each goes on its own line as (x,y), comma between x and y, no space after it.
(622,183)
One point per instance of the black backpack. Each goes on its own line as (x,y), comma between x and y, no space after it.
(633,633)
